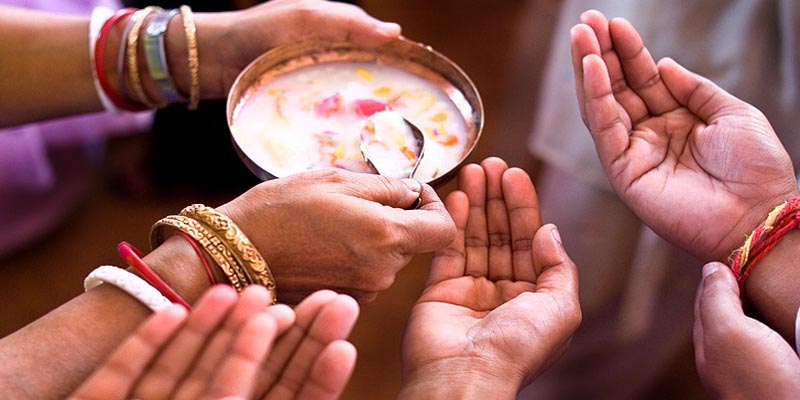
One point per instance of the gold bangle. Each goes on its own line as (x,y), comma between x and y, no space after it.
(242,248)
(212,244)
(190,29)
(131,56)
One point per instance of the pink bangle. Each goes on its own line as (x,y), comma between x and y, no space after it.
(200,254)
(133,257)
(99,62)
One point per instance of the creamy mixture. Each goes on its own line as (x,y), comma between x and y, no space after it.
(389,145)
(313,118)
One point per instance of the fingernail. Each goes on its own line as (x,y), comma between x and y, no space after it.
(556,236)
(709,269)
(557,244)
(413,185)
(389,28)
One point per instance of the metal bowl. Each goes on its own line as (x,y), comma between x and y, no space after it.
(413,57)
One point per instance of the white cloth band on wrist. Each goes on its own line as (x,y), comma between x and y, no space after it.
(129,283)
(100,15)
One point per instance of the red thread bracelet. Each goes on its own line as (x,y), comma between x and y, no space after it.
(133,257)
(200,254)
(764,238)
(100,66)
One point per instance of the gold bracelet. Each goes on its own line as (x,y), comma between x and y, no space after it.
(131,56)
(212,244)
(190,29)
(242,248)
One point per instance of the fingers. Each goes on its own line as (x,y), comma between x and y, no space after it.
(334,321)
(609,132)
(282,351)
(117,375)
(428,228)
(253,300)
(583,42)
(243,359)
(450,262)
(425,229)
(641,73)
(397,193)
(499,232)
(524,219)
(174,361)
(344,22)
(701,96)
(472,181)
(630,101)
(284,316)
(331,372)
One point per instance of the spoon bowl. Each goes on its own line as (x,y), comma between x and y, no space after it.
(392,145)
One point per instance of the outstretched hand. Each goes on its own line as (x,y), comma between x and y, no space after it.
(234,347)
(501,302)
(699,166)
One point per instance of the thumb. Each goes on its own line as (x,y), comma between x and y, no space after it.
(556,274)
(718,304)
(700,95)
(427,228)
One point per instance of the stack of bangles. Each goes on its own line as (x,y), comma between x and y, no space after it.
(147,27)
(209,232)
(764,238)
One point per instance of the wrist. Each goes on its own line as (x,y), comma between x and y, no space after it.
(213,48)
(773,287)
(747,224)
(459,381)
(176,262)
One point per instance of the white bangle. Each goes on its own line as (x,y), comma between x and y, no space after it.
(129,283)
(100,15)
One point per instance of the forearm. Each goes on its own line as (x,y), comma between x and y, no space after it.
(773,287)
(50,357)
(45,66)
(47,71)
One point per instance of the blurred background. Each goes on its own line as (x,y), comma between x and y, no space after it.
(145,177)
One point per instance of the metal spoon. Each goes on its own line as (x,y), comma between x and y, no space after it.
(386,156)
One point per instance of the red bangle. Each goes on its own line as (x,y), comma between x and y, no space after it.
(100,65)
(200,254)
(133,257)
(764,238)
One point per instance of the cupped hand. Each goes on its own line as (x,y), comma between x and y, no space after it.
(699,166)
(215,351)
(739,357)
(234,347)
(339,229)
(312,360)
(501,302)
(235,39)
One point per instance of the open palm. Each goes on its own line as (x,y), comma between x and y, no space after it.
(699,166)
(501,302)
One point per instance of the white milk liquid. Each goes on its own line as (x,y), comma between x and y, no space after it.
(312,118)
